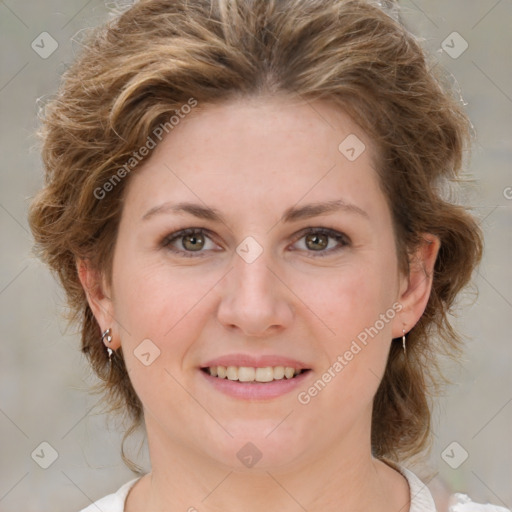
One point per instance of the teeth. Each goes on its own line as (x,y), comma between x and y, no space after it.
(248,374)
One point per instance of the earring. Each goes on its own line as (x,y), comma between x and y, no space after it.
(107,336)
(403,340)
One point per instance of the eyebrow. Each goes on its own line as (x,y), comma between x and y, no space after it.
(292,214)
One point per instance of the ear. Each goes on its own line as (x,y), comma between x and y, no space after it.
(416,286)
(98,297)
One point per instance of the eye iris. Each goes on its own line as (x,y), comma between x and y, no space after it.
(193,239)
(315,237)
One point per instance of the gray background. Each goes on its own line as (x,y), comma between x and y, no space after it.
(43,378)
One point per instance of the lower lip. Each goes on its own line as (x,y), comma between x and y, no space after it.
(256,390)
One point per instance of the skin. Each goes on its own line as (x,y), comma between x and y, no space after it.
(252,160)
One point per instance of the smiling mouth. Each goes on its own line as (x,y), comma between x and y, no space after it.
(250,375)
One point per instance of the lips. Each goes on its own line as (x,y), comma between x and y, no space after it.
(251,391)
(256,361)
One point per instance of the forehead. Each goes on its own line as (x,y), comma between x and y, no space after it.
(270,150)
(282,123)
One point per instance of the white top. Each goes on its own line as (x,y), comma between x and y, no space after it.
(421,499)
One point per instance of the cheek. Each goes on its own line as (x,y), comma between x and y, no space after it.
(158,317)
(353,298)
(161,304)
(355,354)
(151,303)
(358,308)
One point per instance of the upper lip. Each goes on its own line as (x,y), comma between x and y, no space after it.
(256,362)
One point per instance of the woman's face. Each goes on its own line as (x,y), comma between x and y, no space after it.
(256,284)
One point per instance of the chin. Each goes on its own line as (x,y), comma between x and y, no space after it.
(258,452)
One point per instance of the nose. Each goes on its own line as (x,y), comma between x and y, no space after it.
(255,298)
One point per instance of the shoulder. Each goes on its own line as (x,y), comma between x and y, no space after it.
(462,503)
(113,502)
(422,499)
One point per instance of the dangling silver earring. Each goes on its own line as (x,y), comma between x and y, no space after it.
(107,336)
(403,340)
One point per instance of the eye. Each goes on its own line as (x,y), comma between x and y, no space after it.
(191,241)
(317,240)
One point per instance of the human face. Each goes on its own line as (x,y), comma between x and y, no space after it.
(298,299)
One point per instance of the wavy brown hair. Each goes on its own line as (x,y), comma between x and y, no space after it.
(138,68)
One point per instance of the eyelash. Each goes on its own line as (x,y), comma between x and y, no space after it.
(341,238)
